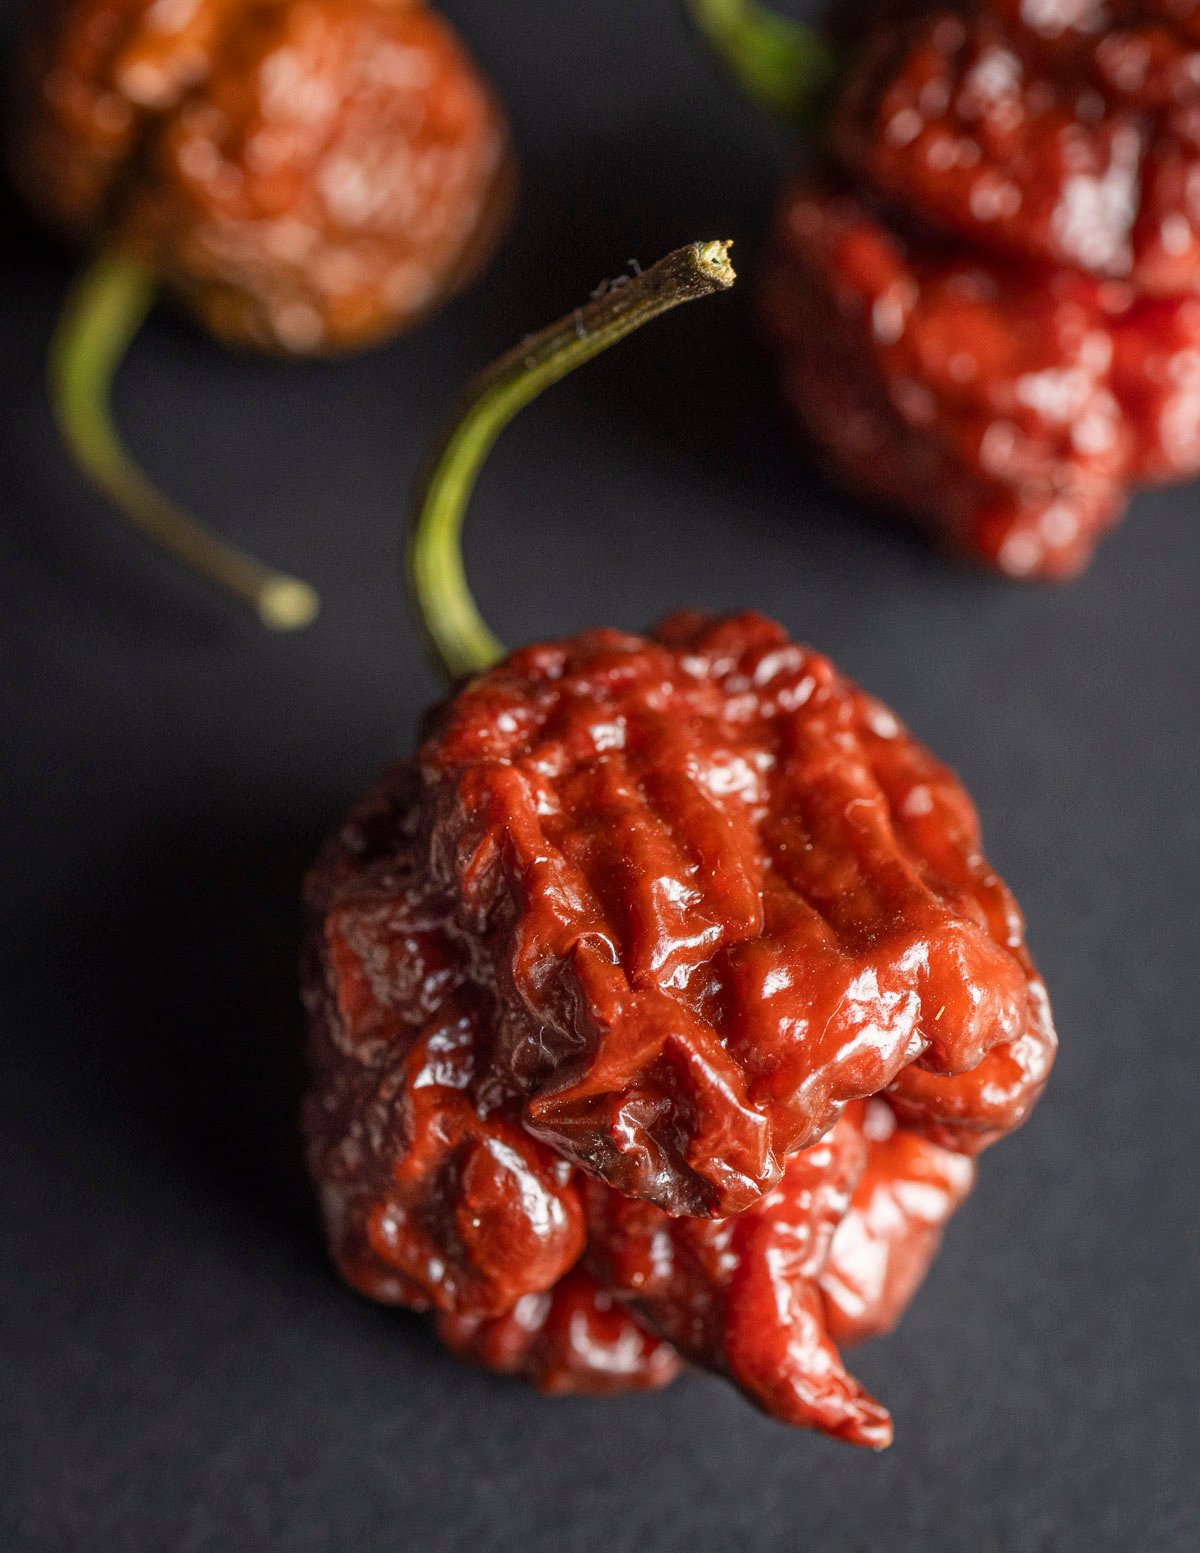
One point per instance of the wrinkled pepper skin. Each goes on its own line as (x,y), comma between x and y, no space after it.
(308,176)
(1000,254)
(1065,144)
(658,1009)
(881,1250)
(577,1339)
(741,1296)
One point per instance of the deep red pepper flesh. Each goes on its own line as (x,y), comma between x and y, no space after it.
(600,985)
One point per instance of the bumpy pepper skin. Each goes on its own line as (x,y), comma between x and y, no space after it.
(1070,144)
(310,176)
(881,1250)
(831,1256)
(697,881)
(986,302)
(429,1201)
(598,985)
(1009,410)
(740,1295)
(577,1339)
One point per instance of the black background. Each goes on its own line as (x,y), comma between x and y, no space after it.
(179,1369)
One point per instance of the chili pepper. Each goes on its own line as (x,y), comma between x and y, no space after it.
(660,1002)
(984,288)
(305,176)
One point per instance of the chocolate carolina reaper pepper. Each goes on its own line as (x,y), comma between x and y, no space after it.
(991,267)
(306,176)
(660,1002)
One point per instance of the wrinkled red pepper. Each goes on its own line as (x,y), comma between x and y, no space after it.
(985,291)
(660,1004)
(597,985)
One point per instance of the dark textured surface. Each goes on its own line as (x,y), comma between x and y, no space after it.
(178,1367)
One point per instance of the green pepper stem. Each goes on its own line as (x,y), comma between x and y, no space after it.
(103,313)
(780,64)
(458,637)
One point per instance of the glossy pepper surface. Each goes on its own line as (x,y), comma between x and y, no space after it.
(598,985)
(307,175)
(998,251)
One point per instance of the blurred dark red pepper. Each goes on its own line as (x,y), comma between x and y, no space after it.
(985,288)
(307,176)
(659,1005)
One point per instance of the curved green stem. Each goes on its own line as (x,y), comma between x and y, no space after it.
(102,315)
(459,638)
(782,65)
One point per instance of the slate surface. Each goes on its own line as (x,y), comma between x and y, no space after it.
(178,1367)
